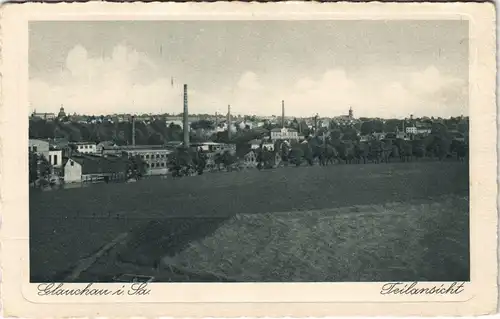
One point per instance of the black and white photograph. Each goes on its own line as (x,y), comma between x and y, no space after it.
(255,160)
(249,151)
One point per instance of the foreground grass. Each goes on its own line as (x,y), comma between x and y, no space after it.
(425,241)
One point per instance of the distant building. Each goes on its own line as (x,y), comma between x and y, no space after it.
(212,147)
(256,144)
(423,130)
(43,116)
(61,114)
(105,144)
(364,138)
(85,147)
(155,157)
(250,160)
(61,144)
(39,147)
(284,134)
(418,130)
(346,119)
(88,168)
(411,130)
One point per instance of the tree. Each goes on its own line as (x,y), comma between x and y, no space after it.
(203,124)
(155,139)
(350,134)
(44,167)
(333,125)
(136,167)
(367,128)
(296,155)
(335,135)
(174,132)
(378,126)
(33,167)
(39,167)
(463,127)
(392,125)
(228,158)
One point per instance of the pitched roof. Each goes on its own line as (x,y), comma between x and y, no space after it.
(106,144)
(83,143)
(97,164)
(280,128)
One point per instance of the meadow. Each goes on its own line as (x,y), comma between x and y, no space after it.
(167,218)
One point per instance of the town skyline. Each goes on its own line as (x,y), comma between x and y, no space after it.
(224,115)
(125,67)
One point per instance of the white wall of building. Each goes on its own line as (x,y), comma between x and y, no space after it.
(72,172)
(55,158)
(284,134)
(87,148)
(411,130)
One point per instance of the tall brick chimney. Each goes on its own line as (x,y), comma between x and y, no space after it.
(133,130)
(282,113)
(185,118)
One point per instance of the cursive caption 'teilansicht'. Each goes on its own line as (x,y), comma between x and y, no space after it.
(401,288)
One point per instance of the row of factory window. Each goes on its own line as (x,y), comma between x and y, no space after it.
(81,147)
(152,156)
(156,165)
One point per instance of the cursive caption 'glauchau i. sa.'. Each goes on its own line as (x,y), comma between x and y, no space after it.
(52,289)
(401,288)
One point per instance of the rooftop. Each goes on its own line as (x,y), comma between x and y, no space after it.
(97,164)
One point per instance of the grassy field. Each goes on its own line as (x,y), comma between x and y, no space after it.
(423,241)
(165,216)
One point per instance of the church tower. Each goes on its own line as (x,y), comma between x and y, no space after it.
(350,113)
(61,112)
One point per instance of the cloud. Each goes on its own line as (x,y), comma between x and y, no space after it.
(249,81)
(113,83)
(128,81)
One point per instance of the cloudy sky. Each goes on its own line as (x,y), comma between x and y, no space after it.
(380,68)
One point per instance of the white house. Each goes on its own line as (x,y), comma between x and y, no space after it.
(86,147)
(284,134)
(86,168)
(411,130)
(423,130)
(55,158)
(44,116)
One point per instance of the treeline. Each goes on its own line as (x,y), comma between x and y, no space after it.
(154,133)
(157,132)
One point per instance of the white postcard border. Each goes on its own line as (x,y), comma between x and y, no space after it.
(20,298)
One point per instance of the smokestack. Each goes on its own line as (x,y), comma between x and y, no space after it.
(133,130)
(185,118)
(216,120)
(283,113)
(229,122)
(315,124)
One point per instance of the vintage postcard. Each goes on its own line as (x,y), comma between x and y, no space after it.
(236,159)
